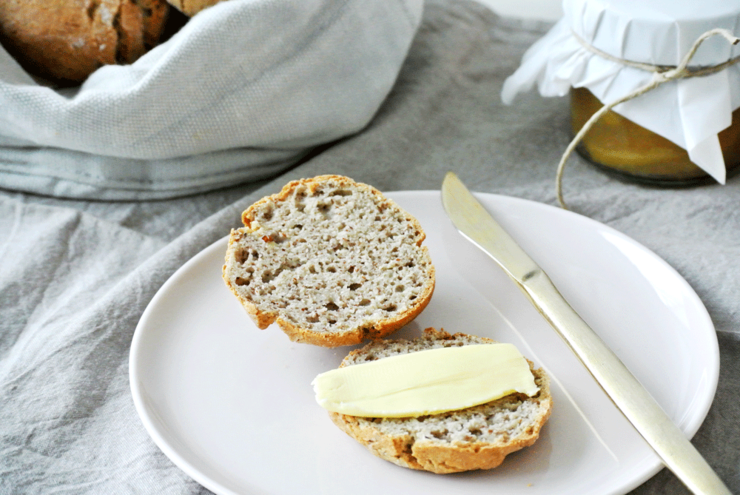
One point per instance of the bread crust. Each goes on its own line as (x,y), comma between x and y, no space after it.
(192,7)
(66,40)
(264,318)
(430,454)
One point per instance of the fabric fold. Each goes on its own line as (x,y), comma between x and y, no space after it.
(249,77)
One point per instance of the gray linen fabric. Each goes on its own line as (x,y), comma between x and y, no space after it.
(75,276)
(244,90)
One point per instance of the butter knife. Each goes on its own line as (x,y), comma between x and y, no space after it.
(635,402)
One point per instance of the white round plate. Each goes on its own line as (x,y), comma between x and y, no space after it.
(233,407)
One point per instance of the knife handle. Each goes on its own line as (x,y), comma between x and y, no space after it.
(640,408)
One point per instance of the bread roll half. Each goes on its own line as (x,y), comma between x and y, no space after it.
(332,261)
(478,437)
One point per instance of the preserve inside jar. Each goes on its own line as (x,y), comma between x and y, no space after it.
(616,144)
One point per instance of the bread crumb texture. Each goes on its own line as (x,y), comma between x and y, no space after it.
(478,437)
(332,261)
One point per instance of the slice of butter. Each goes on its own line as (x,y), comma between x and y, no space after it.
(426,382)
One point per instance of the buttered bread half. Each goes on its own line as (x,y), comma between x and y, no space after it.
(465,439)
(332,261)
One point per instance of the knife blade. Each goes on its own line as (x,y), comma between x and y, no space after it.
(626,392)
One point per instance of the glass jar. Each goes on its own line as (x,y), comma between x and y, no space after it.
(618,145)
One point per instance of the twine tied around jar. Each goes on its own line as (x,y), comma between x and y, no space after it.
(661,75)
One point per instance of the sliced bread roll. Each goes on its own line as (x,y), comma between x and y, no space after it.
(477,437)
(332,261)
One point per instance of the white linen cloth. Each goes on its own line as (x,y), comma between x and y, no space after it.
(245,89)
(689,112)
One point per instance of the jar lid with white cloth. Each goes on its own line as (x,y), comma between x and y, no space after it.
(663,73)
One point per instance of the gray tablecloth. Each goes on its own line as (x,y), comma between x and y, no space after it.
(75,276)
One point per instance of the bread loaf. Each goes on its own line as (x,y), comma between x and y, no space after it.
(64,41)
(332,261)
(478,437)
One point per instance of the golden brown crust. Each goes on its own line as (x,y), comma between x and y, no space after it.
(192,7)
(381,328)
(154,20)
(130,32)
(438,457)
(67,40)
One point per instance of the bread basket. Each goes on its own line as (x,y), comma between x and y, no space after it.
(243,90)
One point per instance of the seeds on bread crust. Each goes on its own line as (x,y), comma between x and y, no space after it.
(332,261)
(478,437)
